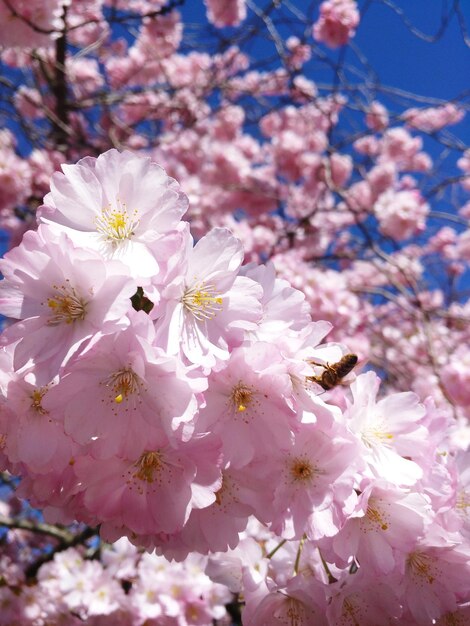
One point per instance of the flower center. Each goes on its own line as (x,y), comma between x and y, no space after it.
(220,492)
(462,502)
(123,384)
(116,225)
(148,464)
(375,516)
(294,612)
(36,399)
(421,565)
(66,305)
(202,301)
(350,610)
(241,397)
(303,470)
(376,434)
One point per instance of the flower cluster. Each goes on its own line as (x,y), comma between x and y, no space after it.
(337,22)
(162,390)
(125,587)
(222,13)
(31,23)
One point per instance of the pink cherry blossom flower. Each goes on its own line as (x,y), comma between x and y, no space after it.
(155,491)
(433,119)
(462,493)
(15,173)
(436,576)
(283,306)
(299,53)
(464,164)
(384,528)
(207,309)
(301,601)
(159,37)
(33,437)
(63,295)
(132,390)
(222,13)
(213,528)
(456,376)
(306,475)
(83,586)
(377,117)
(22,26)
(86,23)
(249,403)
(390,431)
(401,214)
(361,598)
(399,146)
(118,204)
(459,617)
(227,567)
(337,22)
(180,591)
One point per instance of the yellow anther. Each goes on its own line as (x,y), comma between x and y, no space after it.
(66,305)
(148,464)
(202,301)
(241,397)
(117,224)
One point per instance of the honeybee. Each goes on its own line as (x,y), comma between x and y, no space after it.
(334,373)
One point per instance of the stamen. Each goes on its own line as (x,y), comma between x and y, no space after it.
(421,565)
(350,611)
(66,305)
(123,384)
(36,397)
(375,516)
(202,301)
(294,612)
(115,224)
(303,470)
(148,464)
(376,434)
(462,502)
(241,397)
(225,491)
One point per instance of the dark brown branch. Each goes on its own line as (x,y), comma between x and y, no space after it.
(60,125)
(37,527)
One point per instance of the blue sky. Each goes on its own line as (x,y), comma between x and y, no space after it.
(440,69)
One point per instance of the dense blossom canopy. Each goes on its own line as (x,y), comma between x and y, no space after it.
(234,365)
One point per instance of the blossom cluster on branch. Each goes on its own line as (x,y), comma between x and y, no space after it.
(125,587)
(211,254)
(162,391)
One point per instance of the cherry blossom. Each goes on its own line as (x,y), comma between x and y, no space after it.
(221,13)
(208,308)
(337,23)
(63,295)
(31,24)
(211,386)
(117,204)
